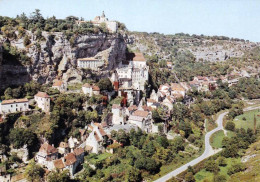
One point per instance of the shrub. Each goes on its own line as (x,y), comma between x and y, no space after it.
(230,126)
(235,168)
(211,166)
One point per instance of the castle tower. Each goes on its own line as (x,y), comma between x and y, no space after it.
(103,14)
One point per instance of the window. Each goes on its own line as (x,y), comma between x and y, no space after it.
(11,105)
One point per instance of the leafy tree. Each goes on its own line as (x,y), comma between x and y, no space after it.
(57,176)
(219,178)
(230,126)
(105,84)
(189,177)
(34,172)
(26,41)
(235,168)
(211,166)
(133,175)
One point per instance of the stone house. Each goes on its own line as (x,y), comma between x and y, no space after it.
(142,119)
(71,161)
(43,101)
(46,155)
(118,115)
(96,138)
(177,90)
(60,85)
(63,148)
(90,89)
(14,105)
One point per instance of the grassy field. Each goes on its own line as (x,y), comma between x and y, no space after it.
(246,120)
(75,86)
(216,139)
(203,174)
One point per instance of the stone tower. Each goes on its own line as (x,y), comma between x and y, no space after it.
(103,14)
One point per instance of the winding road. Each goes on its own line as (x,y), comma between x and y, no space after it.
(207,153)
(208,149)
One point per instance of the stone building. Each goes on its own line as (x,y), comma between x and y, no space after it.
(60,85)
(99,20)
(118,117)
(46,155)
(142,119)
(14,105)
(90,89)
(43,101)
(91,63)
(133,75)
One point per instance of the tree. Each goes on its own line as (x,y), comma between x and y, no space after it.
(211,166)
(26,41)
(133,175)
(34,172)
(222,161)
(230,126)
(105,84)
(189,177)
(57,176)
(219,178)
(230,151)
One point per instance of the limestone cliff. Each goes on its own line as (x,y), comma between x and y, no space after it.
(56,57)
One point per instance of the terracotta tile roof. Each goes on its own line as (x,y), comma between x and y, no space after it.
(90,127)
(78,151)
(133,107)
(63,145)
(97,137)
(87,85)
(70,159)
(102,132)
(59,164)
(151,100)
(88,59)
(82,131)
(12,101)
(88,148)
(57,83)
(116,106)
(95,88)
(42,94)
(135,57)
(48,149)
(146,108)
(177,87)
(141,113)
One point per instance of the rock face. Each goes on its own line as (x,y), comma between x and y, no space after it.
(56,57)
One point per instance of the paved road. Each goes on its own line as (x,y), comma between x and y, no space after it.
(207,153)
(208,149)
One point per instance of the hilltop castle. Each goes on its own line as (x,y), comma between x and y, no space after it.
(98,20)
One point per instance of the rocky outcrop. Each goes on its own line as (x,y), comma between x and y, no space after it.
(56,57)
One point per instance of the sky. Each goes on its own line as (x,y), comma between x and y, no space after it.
(232,18)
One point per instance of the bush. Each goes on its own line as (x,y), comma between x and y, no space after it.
(26,41)
(219,178)
(189,177)
(235,168)
(222,161)
(211,166)
(230,126)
